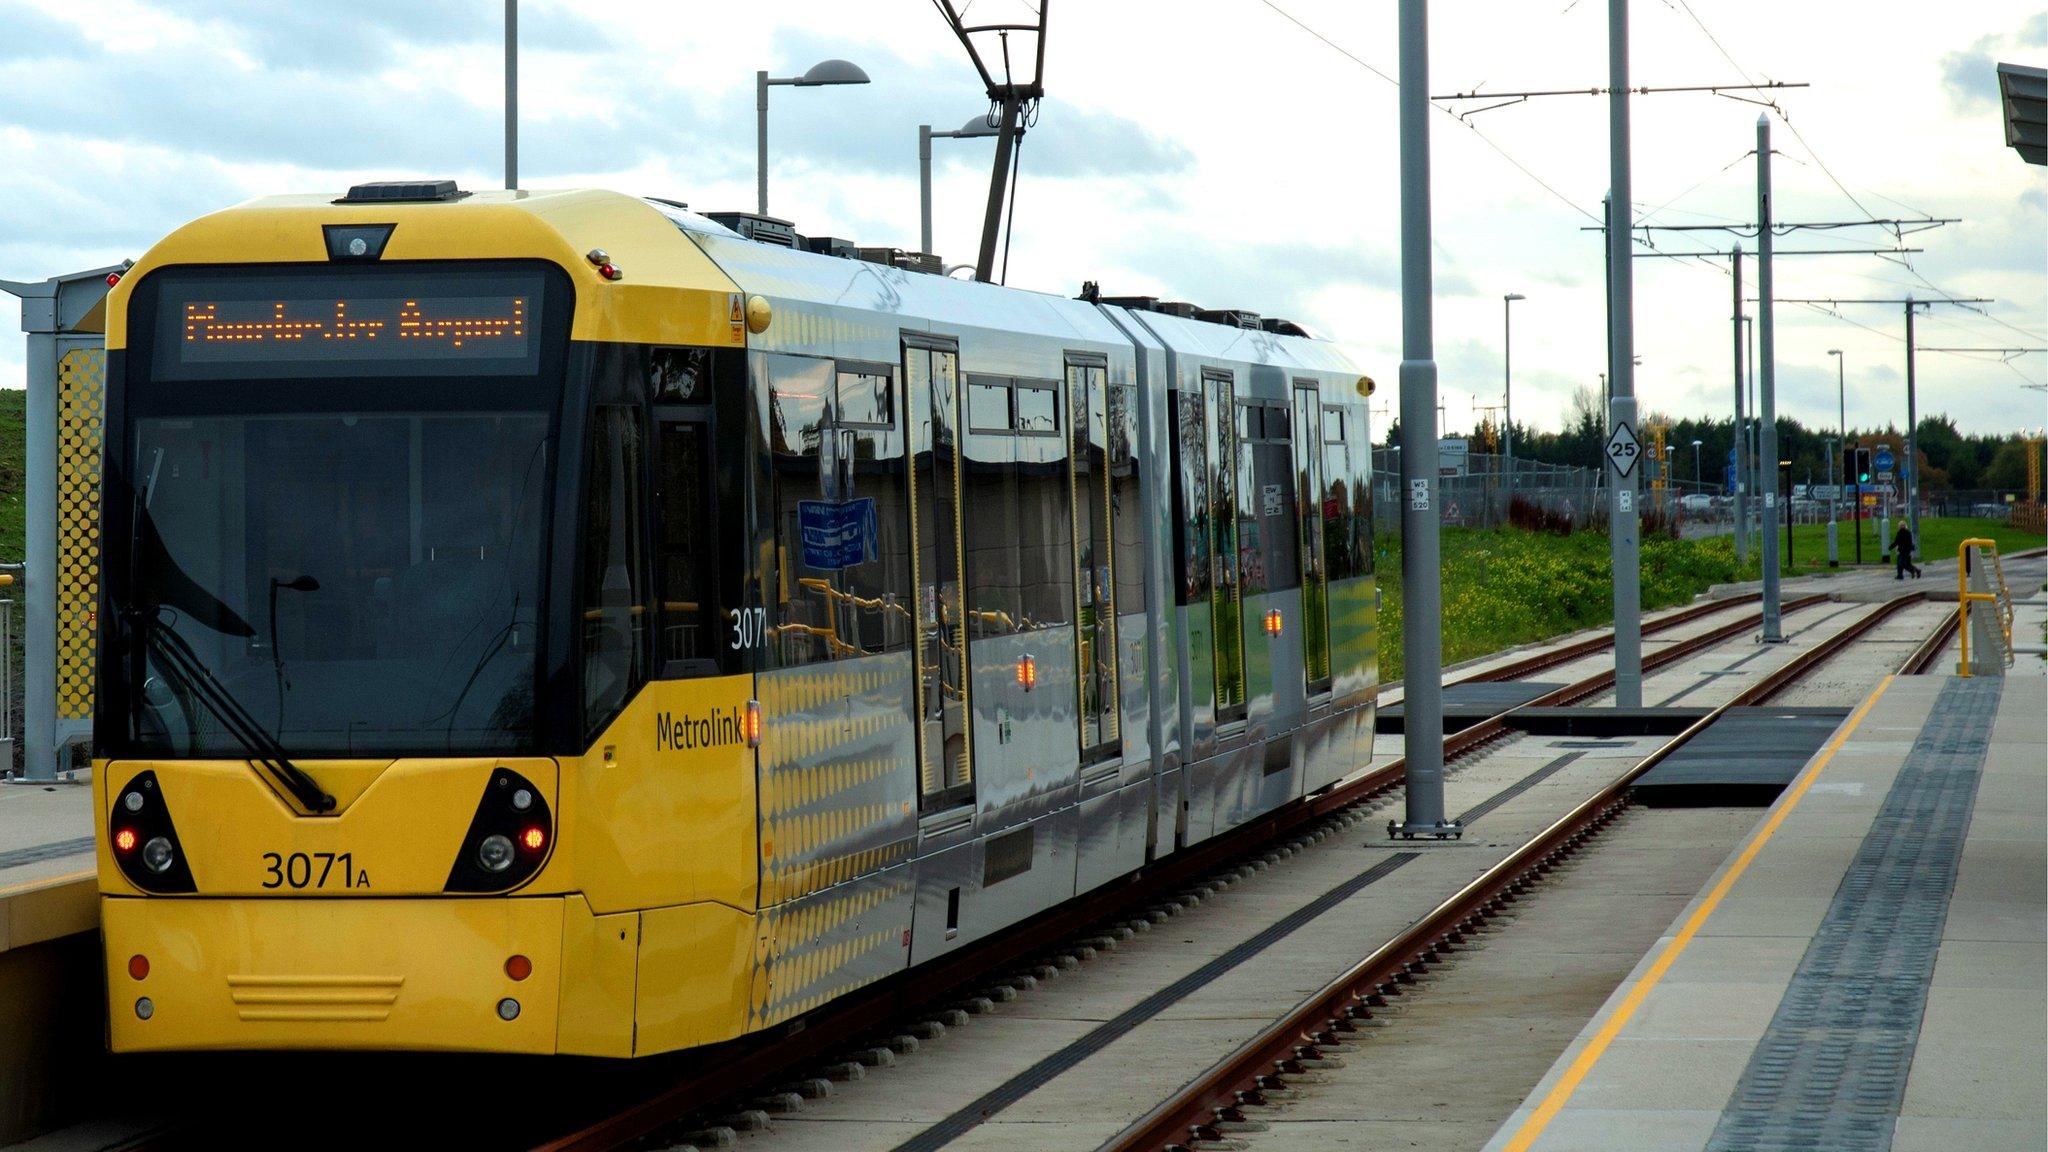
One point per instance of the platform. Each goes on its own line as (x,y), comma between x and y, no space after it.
(1868,971)
(46,879)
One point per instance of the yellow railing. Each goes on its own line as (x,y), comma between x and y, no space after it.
(2000,598)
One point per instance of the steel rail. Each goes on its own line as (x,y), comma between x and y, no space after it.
(731,1069)
(1921,659)
(1574,651)
(1204,1108)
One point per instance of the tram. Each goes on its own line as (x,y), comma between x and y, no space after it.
(561,622)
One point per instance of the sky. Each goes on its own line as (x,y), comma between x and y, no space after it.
(1234,153)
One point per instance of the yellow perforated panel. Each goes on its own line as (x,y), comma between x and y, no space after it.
(81,387)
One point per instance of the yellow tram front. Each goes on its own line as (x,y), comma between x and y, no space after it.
(384,758)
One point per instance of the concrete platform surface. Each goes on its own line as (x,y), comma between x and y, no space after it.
(46,846)
(1869,969)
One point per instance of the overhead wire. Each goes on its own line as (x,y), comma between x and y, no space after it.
(1483,137)
(1903,261)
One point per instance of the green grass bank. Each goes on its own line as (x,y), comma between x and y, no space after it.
(1504,587)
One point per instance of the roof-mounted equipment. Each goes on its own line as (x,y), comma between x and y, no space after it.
(1234,317)
(403,192)
(760,229)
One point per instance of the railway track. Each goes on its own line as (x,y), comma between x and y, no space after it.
(1214,1103)
(747,1068)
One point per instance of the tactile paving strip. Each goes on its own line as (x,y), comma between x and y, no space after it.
(1830,1072)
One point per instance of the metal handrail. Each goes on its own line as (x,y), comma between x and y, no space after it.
(2000,599)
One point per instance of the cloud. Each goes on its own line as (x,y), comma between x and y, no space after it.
(1971,76)
(873,127)
(361,34)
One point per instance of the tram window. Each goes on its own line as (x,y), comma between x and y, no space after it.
(842,559)
(679,375)
(1338,549)
(990,534)
(692,639)
(1360,535)
(988,405)
(1251,541)
(1038,410)
(614,558)
(1311,489)
(865,400)
(1045,532)
(1269,499)
(866,465)
(1127,509)
(1190,500)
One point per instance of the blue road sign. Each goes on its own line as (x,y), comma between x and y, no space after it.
(1885,460)
(1731,471)
(837,535)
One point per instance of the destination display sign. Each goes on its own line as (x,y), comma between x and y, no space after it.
(362,323)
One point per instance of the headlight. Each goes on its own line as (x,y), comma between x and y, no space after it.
(157,854)
(495,853)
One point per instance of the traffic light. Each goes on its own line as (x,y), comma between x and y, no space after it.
(1863,465)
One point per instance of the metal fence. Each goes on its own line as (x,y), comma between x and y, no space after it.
(1483,490)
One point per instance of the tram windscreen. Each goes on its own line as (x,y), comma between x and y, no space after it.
(368,322)
(358,582)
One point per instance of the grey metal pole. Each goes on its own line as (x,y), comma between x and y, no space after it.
(511,94)
(1422,728)
(1767,409)
(1912,485)
(924,187)
(1834,486)
(998,189)
(1607,286)
(1622,526)
(39,597)
(1507,386)
(761,143)
(1741,430)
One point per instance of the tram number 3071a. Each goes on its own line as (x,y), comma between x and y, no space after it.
(749,626)
(296,870)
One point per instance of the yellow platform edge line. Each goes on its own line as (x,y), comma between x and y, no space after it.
(1561,1092)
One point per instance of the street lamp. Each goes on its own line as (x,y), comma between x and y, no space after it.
(1842,415)
(979,126)
(1507,332)
(1696,462)
(823,73)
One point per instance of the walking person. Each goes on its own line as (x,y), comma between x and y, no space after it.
(1902,550)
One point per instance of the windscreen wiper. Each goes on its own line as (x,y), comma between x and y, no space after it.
(175,656)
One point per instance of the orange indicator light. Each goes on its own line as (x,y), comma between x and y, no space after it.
(1027,672)
(533,838)
(753,724)
(1273,622)
(125,840)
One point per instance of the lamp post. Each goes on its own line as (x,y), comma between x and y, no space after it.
(979,126)
(1507,387)
(1696,462)
(1835,489)
(823,73)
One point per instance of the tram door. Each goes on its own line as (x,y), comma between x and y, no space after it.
(1225,575)
(690,627)
(1314,494)
(944,743)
